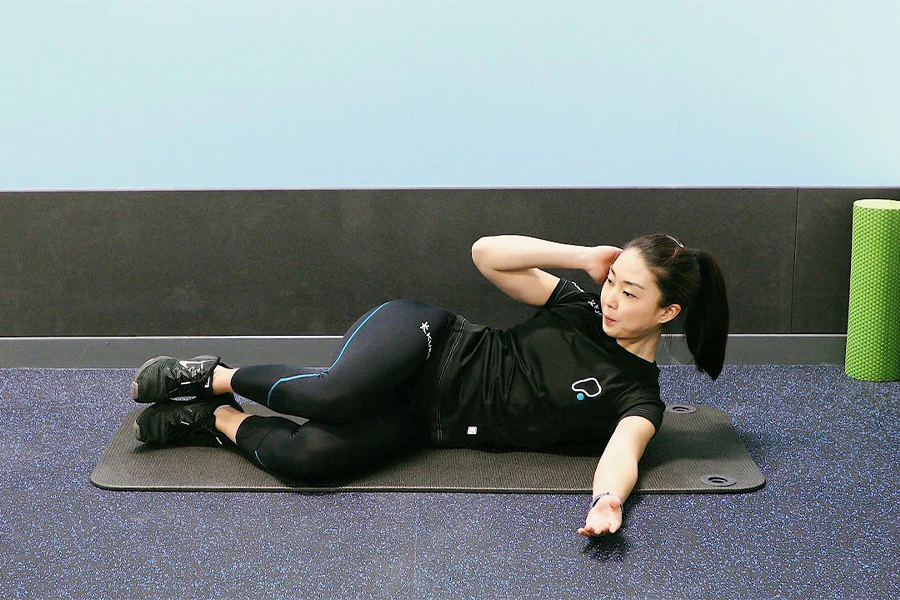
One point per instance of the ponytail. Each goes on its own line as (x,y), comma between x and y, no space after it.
(692,279)
(706,319)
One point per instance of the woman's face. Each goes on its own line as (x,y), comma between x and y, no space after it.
(630,300)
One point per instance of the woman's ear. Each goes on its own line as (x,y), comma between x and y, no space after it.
(668,313)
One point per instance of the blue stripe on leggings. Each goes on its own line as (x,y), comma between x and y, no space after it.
(340,354)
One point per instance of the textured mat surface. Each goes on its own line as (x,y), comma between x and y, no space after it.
(696,451)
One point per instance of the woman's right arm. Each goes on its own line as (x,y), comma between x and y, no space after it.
(616,474)
(515,264)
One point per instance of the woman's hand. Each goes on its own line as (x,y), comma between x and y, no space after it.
(605,517)
(600,260)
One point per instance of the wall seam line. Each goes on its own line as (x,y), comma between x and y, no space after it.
(794,262)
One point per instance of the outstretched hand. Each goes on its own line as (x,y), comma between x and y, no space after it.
(605,517)
(601,259)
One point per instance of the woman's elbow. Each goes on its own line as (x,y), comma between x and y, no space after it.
(481,250)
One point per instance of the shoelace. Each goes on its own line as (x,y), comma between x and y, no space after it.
(216,435)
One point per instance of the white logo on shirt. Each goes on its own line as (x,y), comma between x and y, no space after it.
(425,329)
(586,388)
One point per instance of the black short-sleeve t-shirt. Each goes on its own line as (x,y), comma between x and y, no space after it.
(554,380)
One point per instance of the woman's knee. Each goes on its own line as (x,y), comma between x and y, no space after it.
(305,454)
(303,467)
(335,402)
(323,397)
(316,451)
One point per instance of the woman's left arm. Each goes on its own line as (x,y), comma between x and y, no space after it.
(616,474)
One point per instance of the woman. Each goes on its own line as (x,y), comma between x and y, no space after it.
(582,369)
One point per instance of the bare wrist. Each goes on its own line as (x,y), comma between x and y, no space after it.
(587,258)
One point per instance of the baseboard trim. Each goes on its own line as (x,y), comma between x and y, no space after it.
(130,352)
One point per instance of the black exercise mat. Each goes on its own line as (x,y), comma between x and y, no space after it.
(697,450)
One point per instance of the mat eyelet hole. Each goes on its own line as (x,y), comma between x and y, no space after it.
(717,480)
(681,409)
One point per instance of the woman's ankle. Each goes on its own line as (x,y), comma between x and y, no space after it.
(221,380)
(228,420)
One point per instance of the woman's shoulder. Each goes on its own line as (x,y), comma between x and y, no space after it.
(569,292)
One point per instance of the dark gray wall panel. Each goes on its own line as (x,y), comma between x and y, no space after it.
(822,271)
(310,262)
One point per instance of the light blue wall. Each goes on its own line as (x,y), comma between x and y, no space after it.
(189,94)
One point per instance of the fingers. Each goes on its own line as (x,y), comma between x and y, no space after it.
(595,527)
(614,525)
(592,532)
(587,530)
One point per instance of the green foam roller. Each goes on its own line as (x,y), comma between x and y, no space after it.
(873,320)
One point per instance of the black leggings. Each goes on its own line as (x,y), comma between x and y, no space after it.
(357,408)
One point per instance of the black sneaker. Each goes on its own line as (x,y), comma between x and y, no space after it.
(168,423)
(163,378)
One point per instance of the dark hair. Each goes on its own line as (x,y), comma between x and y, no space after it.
(691,278)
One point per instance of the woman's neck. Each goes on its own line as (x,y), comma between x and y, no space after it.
(644,347)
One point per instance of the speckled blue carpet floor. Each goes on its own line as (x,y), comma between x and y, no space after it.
(825,525)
